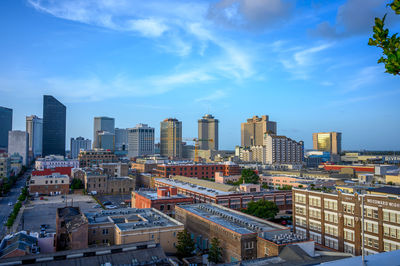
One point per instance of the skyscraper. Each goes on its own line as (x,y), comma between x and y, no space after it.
(328,141)
(106,140)
(140,140)
(78,144)
(121,139)
(171,138)
(102,123)
(34,127)
(208,129)
(5,126)
(54,126)
(252,132)
(18,142)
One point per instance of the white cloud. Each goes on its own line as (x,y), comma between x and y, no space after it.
(148,27)
(216,95)
(364,77)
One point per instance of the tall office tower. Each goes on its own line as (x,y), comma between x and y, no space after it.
(105,140)
(252,132)
(79,144)
(121,139)
(54,126)
(5,126)
(102,123)
(328,141)
(18,142)
(140,141)
(171,138)
(34,127)
(208,129)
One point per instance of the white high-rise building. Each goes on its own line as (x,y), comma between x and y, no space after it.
(18,142)
(121,139)
(282,150)
(34,127)
(140,140)
(79,144)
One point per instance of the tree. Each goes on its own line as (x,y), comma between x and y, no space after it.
(185,246)
(215,252)
(262,209)
(76,184)
(250,176)
(389,44)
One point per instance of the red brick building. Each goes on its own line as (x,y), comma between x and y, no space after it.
(49,185)
(197,170)
(163,199)
(357,168)
(50,171)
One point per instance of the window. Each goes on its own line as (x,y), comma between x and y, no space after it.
(331,230)
(168,207)
(348,221)
(266,252)
(348,249)
(249,245)
(332,243)
(314,201)
(300,198)
(349,208)
(316,226)
(330,204)
(331,217)
(391,231)
(371,227)
(93,231)
(105,241)
(349,235)
(313,213)
(105,231)
(161,207)
(371,242)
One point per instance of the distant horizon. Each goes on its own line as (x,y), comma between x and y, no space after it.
(306,65)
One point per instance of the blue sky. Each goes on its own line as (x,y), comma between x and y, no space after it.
(306,64)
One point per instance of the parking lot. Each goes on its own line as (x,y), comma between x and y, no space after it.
(116,200)
(39,212)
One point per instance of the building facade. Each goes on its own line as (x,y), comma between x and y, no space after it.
(71,229)
(95,157)
(102,124)
(208,133)
(54,126)
(49,184)
(334,220)
(163,199)
(121,139)
(79,144)
(282,150)
(328,141)
(5,165)
(252,132)
(6,125)
(18,142)
(171,138)
(34,127)
(53,161)
(140,141)
(99,182)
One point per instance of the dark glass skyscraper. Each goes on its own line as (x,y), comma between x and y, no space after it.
(54,123)
(5,125)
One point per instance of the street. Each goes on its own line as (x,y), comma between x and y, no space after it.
(12,196)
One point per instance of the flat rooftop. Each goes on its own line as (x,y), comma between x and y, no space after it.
(232,220)
(132,218)
(152,194)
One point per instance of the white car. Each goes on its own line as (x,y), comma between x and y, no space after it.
(10,203)
(111,207)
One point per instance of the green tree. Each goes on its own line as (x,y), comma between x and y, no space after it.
(185,246)
(250,176)
(262,209)
(76,184)
(215,252)
(389,44)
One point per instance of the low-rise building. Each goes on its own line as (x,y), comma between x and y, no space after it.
(96,157)
(222,179)
(19,244)
(163,199)
(49,171)
(125,226)
(49,184)
(97,181)
(5,165)
(53,161)
(237,232)
(71,229)
(203,191)
(115,169)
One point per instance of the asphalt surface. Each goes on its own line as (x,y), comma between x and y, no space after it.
(116,200)
(12,196)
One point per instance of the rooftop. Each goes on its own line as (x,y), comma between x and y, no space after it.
(132,218)
(179,182)
(386,190)
(234,220)
(152,194)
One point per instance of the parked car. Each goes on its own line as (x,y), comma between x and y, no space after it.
(111,207)
(96,206)
(107,203)
(10,203)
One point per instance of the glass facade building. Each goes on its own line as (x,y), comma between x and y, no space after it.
(54,126)
(5,125)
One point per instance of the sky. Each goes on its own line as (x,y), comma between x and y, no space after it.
(304,63)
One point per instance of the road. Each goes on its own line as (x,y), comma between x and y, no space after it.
(12,196)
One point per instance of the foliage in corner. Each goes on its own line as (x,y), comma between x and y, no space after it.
(215,252)
(262,209)
(389,44)
(185,246)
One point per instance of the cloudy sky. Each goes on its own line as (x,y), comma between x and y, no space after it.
(304,63)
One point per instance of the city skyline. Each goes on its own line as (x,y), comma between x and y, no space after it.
(307,66)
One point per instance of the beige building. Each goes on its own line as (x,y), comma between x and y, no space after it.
(171,138)
(5,166)
(282,150)
(115,169)
(101,183)
(125,226)
(328,141)
(208,130)
(96,157)
(252,132)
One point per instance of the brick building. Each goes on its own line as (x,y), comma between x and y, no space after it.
(71,229)
(163,199)
(143,167)
(239,233)
(95,157)
(203,191)
(49,171)
(17,245)
(334,219)
(197,170)
(125,226)
(49,184)
(115,169)
(101,183)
